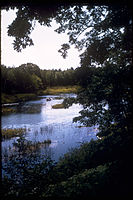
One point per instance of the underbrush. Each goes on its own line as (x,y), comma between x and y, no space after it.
(99,168)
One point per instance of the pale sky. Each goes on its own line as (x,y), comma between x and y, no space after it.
(44,53)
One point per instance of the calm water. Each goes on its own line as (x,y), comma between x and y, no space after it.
(42,122)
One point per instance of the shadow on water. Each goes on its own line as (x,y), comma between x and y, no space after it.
(32,108)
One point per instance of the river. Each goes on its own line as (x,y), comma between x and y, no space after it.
(42,122)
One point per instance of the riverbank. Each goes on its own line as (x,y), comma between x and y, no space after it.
(16,98)
(61,90)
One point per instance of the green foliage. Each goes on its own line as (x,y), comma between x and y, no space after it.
(24,79)
(24,169)
(99,168)
(28,78)
(64,49)
(89,183)
(28,13)
(106,63)
(59,78)
(107,99)
(102,181)
(21,31)
(103,167)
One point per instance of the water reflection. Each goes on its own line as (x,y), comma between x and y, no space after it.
(44,123)
(29,108)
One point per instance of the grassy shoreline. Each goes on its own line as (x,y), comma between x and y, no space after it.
(16,98)
(61,90)
(10,133)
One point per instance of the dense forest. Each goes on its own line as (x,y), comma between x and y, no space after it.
(29,78)
(101,168)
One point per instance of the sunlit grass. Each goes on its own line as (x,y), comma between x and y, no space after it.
(58,106)
(61,89)
(9,133)
(7,110)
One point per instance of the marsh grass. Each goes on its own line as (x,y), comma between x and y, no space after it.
(30,147)
(38,145)
(6,98)
(6,110)
(58,106)
(61,89)
(9,133)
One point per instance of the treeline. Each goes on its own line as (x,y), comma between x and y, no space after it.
(58,77)
(29,78)
(23,79)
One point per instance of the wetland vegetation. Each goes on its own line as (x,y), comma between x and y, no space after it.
(92,168)
(58,106)
(9,133)
(62,89)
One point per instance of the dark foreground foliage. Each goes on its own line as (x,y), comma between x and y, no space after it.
(100,168)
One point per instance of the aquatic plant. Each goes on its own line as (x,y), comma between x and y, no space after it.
(6,110)
(9,133)
(48,141)
(58,106)
(23,168)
